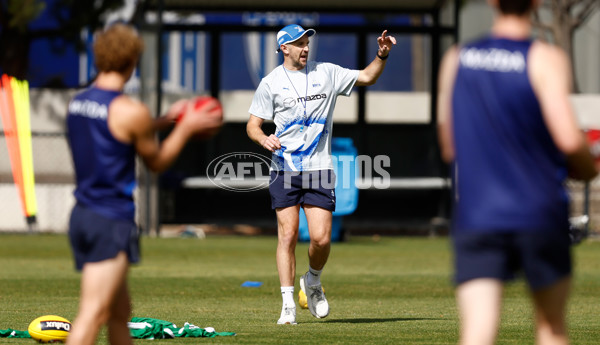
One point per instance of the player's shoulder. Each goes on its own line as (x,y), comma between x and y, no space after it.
(129,107)
(451,56)
(546,53)
(548,65)
(128,102)
(128,118)
(454,50)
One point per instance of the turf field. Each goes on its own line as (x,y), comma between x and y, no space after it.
(388,290)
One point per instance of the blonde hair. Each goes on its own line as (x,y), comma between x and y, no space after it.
(118,49)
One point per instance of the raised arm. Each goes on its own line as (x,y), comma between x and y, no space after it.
(371,73)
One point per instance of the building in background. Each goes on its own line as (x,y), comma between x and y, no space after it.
(401,97)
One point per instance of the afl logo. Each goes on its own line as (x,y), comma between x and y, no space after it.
(289,102)
(239,171)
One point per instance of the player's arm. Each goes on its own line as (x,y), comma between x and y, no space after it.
(551,80)
(256,134)
(157,157)
(138,126)
(371,73)
(170,117)
(446,79)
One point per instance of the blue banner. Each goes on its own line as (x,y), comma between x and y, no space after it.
(245,57)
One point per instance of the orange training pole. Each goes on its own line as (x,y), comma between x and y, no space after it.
(10,133)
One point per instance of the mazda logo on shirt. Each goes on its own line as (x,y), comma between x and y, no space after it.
(312,97)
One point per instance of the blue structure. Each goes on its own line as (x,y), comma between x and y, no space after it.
(344,164)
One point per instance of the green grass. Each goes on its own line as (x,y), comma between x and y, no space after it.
(394,290)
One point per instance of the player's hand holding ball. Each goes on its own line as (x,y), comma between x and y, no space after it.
(593,137)
(203,115)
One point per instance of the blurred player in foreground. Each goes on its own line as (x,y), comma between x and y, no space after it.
(299,96)
(506,123)
(106,129)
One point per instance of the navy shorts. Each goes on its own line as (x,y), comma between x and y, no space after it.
(95,237)
(290,188)
(543,257)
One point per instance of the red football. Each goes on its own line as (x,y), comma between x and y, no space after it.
(198,103)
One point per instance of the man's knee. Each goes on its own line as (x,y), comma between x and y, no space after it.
(321,239)
(288,235)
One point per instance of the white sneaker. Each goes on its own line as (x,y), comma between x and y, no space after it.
(315,298)
(288,316)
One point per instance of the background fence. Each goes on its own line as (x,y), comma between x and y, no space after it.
(54,188)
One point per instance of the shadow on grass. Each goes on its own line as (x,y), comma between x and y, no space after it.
(378,320)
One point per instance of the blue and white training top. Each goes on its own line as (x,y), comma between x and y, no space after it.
(282,96)
(104,166)
(508,173)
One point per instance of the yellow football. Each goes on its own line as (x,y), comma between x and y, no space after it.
(49,329)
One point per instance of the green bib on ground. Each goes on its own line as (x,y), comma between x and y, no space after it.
(148,328)
(11,333)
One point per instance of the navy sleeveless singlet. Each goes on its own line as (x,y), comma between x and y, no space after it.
(104,166)
(508,173)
